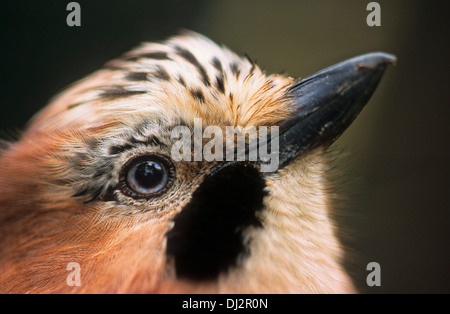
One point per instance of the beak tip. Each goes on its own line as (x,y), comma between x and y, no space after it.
(375,59)
(327,102)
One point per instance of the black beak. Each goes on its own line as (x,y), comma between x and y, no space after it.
(326,103)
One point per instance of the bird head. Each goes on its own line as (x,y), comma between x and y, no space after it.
(116,175)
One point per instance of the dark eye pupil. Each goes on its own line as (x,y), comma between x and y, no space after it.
(149,174)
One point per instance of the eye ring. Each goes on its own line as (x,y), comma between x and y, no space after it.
(146,176)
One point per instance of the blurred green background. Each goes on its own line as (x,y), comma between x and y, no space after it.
(395,156)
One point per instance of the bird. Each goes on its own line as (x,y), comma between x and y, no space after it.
(92,179)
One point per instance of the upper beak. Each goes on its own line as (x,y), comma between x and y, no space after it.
(326,103)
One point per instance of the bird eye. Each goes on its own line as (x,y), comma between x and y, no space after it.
(147,176)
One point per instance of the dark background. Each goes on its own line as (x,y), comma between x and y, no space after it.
(396,154)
